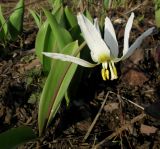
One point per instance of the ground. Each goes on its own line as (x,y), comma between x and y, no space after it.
(101,114)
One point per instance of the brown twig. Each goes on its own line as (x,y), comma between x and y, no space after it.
(136,7)
(127,100)
(96,118)
(124,127)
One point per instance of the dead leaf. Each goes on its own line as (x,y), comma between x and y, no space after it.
(137,56)
(144,146)
(8,116)
(156,54)
(145,129)
(119,21)
(84,125)
(134,78)
(110,107)
(34,63)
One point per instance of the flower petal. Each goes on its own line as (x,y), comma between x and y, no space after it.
(69,58)
(110,37)
(93,38)
(138,42)
(126,34)
(96,25)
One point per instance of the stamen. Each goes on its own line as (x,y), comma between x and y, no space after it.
(107,74)
(114,68)
(103,72)
(105,65)
(113,71)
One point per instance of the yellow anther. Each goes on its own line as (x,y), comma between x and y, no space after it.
(107,74)
(103,74)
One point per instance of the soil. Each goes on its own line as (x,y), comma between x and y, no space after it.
(119,123)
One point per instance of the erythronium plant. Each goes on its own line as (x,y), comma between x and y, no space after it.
(105,51)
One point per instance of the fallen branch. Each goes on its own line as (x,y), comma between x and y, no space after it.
(124,127)
(96,118)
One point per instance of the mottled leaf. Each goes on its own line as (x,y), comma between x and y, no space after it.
(56,85)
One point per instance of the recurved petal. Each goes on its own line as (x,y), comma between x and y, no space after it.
(69,58)
(93,38)
(116,60)
(138,42)
(127,33)
(110,37)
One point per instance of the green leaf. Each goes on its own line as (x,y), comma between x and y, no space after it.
(3,26)
(40,40)
(157,12)
(157,17)
(56,85)
(88,15)
(107,4)
(15,22)
(45,42)
(67,99)
(15,137)
(56,4)
(60,17)
(61,35)
(75,32)
(70,17)
(36,17)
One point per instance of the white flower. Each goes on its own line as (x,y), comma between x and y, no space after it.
(105,51)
